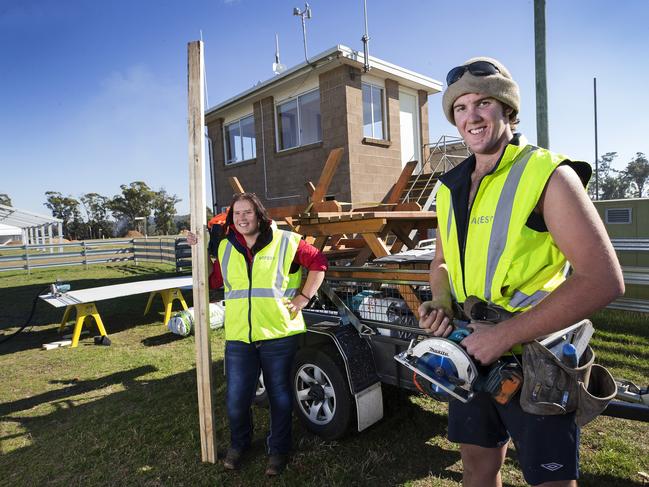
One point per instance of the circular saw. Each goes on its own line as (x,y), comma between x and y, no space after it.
(451,372)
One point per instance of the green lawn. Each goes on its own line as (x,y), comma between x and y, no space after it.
(127,414)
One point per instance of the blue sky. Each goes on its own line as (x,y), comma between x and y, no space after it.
(93,94)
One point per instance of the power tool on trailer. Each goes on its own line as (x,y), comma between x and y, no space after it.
(451,373)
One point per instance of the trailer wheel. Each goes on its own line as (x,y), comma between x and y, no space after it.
(321,394)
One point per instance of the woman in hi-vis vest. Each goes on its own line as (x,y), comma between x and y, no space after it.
(259,268)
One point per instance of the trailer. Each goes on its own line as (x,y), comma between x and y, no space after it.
(361,319)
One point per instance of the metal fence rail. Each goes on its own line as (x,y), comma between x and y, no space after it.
(632,275)
(628,304)
(88,252)
(630,244)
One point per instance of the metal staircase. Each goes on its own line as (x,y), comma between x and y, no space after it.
(444,155)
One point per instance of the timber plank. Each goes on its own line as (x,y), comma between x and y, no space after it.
(197,200)
(327,174)
(375,244)
(373,225)
(385,274)
(236,185)
(402,182)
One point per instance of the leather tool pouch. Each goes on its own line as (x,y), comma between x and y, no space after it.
(551,387)
(475,309)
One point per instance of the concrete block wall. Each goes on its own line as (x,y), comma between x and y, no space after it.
(367,171)
(279,178)
(375,164)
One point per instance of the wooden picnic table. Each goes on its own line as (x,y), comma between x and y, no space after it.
(372,226)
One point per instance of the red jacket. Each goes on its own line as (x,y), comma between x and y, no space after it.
(307,256)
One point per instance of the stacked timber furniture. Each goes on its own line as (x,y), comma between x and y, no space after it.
(361,234)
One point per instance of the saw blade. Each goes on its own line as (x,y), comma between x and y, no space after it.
(441,368)
(444,386)
(443,363)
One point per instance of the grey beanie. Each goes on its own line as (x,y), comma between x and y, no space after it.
(500,86)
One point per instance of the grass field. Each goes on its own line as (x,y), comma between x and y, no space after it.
(127,414)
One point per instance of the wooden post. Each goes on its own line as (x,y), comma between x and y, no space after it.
(26,247)
(197,200)
(84,254)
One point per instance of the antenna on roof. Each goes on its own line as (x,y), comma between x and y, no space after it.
(278,68)
(305,14)
(366,40)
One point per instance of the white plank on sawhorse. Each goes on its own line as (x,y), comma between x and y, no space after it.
(83,301)
(102,293)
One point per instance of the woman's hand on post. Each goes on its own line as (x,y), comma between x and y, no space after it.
(192,239)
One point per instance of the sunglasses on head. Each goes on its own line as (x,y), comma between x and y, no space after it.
(477,68)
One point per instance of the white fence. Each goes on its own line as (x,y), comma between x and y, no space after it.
(88,252)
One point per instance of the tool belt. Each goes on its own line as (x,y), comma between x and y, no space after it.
(551,387)
(475,309)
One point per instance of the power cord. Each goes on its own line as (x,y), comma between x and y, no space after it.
(31,315)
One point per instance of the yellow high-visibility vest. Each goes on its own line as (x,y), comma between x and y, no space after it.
(255,293)
(505,262)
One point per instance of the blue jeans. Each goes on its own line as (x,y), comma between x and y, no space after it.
(243,361)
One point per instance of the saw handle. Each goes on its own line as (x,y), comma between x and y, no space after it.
(459,334)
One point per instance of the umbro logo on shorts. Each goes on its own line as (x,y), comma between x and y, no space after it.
(551,466)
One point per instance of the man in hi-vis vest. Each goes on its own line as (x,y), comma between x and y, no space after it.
(259,268)
(509,217)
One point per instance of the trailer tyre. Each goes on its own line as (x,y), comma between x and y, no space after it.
(321,395)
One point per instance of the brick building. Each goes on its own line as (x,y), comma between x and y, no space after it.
(276,136)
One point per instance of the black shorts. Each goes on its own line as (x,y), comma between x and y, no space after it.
(547,446)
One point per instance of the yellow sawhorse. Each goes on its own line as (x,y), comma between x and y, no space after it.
(84,311)
(168,297)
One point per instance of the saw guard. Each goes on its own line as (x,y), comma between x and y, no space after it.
(445,351)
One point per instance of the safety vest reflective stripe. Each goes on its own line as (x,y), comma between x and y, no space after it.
(522,300)
(502,217)
(503,260)
(226,260)
(259,292)
(283,245)
(448,232)
(255,292)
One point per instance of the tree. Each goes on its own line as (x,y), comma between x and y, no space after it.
(164,210)
(612,184)
(67,209)
(96,209)
(637,172)
(613,187)
(135,201)
(5,200)
(182,223)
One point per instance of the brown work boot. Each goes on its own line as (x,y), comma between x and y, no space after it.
(232,460)
(276,465)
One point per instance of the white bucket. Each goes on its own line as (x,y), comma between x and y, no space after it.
(182,323)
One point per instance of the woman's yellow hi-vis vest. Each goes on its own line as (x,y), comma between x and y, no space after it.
(505,262)
(254,308)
